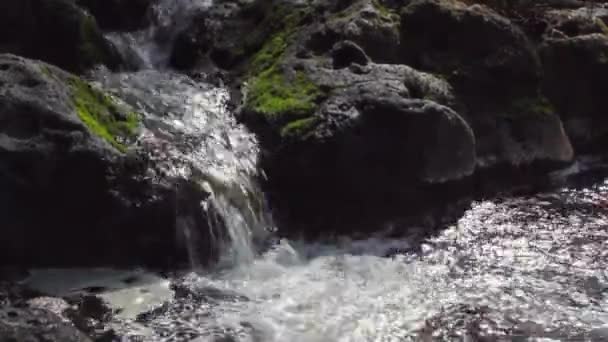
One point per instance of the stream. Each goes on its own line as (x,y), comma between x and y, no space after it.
(516,268)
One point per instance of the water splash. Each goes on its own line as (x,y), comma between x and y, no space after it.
(521,268)
(150,48)
(191,134)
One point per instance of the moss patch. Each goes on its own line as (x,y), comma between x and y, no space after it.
(101,115)
(281,99)
(269,54)
(299,128)
(536,106)
(384,11)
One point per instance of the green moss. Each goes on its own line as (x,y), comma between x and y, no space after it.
(46,70)
(535,106)
(101,115)
(299,128)
(269,54)
(278,22)
(602,25)
(384,11)
(281,99)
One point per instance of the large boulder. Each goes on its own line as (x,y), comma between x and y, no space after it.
(73,190)
(56,31)
(576,71)
(349,145)
(495,73)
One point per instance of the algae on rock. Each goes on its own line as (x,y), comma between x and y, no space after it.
(101,115)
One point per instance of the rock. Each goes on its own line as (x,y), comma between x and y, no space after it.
(74,191)
(224,34)
(576,71)
(118,15)
(495,74)
(90,314)
(190,46)
(526,132)
(484,57)
(346,53)
(56,31)
(562,23)
(367,23)
(36,325)
(355,135)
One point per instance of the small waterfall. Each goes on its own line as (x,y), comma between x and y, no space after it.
(150,48)
(190,134)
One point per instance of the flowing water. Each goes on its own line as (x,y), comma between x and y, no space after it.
(520,268)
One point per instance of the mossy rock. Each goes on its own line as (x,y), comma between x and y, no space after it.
(281,99)
(284,98)
(536,106)
(102,116)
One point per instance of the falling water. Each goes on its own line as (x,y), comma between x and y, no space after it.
(191,134)
(150,48)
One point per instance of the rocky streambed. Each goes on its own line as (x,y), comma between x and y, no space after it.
(333,171)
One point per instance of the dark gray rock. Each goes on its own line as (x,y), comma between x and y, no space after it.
(346,53)
(572,22)
(484,55)
(576,72)
(370,147)
(365,22)
(73,190)
(56,31)
(36,325)
(495,74)
(118,15)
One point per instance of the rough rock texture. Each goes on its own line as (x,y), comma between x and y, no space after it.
(484,54)
(367,23)
(27,315)
(36,325)
(371,138)
(56,31)
(73,193)
(495,73)
(118,15)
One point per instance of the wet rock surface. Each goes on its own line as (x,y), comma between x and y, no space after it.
(69,180)
(36,325)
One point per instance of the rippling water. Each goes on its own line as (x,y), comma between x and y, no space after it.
(514,269)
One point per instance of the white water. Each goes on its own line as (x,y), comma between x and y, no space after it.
(150,48)
(515,269)
(191,134)
(528,268)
